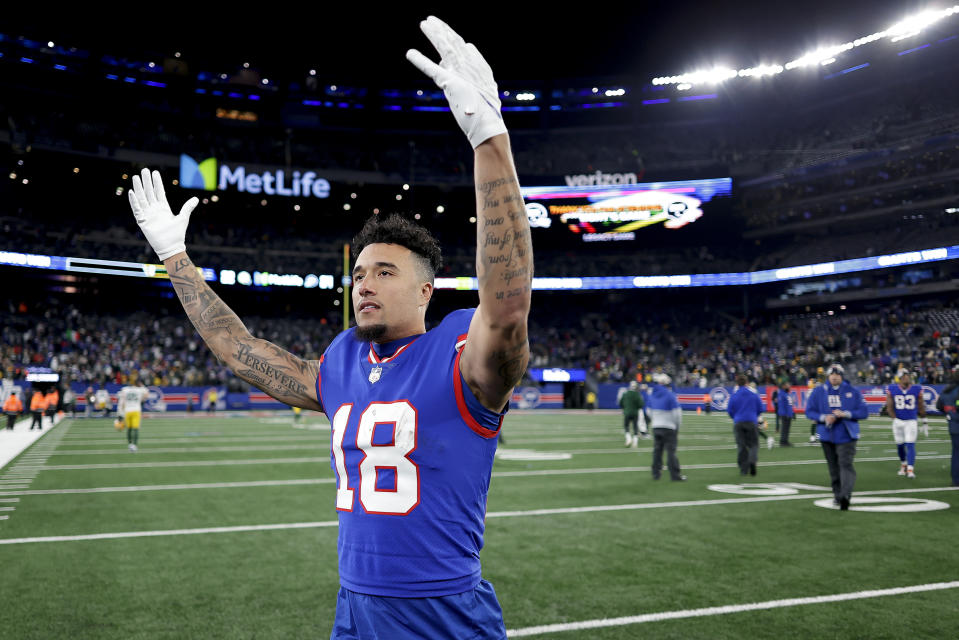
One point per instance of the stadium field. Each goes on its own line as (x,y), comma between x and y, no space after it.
(224,527)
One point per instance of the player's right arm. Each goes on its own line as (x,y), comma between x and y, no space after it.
(277,372)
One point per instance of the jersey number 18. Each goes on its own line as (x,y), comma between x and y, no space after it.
(405,493)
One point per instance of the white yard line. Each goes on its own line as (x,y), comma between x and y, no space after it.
(182,463)
(121,449)
(179,487)
(722,610)
(193,440)
(493,514)
(496,474)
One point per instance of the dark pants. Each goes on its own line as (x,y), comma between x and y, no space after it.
(665,439)
(839,458)
(631,419)
(784,423)
(955,458)
(747,446)
(37,420)
(11,418)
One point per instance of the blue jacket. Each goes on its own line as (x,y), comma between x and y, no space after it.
(947,404)
(663,408)
(784,405)
(824,399)
(745,406)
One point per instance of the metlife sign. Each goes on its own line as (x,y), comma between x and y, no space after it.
(209,176)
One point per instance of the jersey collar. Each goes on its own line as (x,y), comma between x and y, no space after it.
(378,352)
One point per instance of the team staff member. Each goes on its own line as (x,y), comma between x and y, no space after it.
(948,403)
(745,408)
(415,414)
(837,407)
(785,414)
(905,405)
(12,407)
(38,404)
(665,416)
(53,399)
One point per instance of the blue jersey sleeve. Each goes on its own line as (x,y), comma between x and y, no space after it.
(483,421)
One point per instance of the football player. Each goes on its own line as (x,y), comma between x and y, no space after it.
(415,414)
(129,406)
(904,402)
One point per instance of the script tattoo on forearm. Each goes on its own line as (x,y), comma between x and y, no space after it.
(504,250)
(274,370)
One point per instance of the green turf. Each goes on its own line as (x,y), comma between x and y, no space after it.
(668,553)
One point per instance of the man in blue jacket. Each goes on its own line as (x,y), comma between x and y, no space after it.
(948,402)
(665,416)
(744,408)
(785,414)
(837,407)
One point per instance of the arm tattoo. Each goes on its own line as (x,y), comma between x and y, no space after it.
(279,373)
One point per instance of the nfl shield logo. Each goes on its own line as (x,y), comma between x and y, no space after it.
(375,374)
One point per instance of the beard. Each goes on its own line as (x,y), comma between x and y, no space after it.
(370,333)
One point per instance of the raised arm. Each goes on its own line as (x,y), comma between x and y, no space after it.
(497,351)
(266,366)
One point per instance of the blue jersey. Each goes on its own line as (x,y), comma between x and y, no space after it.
(905,403)
(412,449)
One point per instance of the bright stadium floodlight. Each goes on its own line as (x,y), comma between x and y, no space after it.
(903,29)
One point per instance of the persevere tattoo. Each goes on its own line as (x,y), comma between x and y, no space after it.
(279,373)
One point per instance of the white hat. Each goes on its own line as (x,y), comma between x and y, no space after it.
(661,378)
(835,368)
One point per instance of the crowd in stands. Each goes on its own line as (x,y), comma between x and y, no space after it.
(613,346)
(793,348)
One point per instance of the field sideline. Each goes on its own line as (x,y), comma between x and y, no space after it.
(224,528)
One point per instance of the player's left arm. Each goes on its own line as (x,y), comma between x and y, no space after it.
(889,408)
(920,404)
(497,351)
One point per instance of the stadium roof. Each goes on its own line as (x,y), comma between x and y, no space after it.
(354,43)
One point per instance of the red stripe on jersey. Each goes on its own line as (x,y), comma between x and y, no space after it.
(461,403)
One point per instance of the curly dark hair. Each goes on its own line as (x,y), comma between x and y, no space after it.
(395,229)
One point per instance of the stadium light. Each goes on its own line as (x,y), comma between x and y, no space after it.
(906,28)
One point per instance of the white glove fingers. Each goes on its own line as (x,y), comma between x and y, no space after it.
(436,35)
(424,64)
(452,39)
(158,186)
(188,208)
(135,205)
(137,192)
(147,180)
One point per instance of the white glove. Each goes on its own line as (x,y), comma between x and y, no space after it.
(165,232)
(465,78)
(925,427)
